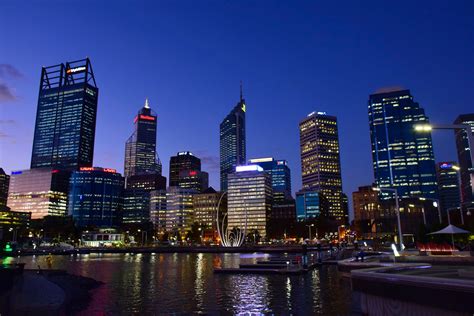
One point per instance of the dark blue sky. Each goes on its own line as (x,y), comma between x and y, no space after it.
(189,56)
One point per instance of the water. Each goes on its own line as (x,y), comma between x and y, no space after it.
(185,283)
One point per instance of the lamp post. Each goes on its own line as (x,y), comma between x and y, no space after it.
(397,207)
(309,228)
(447,211)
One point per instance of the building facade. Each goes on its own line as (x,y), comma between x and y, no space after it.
(448,184)
(371,218)
(136,197)
(95,197)
(232,141)
(41,192)
(205,211)
(179,215)
(311,205)
(66,117)
(250,199)
(464,157)
(280,175)
(402,158)
(320,160)
(158,210)
(194,180)
(4,184)
(140,149)
(183,161)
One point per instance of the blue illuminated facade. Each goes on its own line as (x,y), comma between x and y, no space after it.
(310,205)
(95,197)
(402,158)
(280,175)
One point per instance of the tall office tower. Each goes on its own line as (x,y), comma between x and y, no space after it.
(179,210)
(232,141)
(320,160)
(39,191)
(311,205)
(281,177)
(249,199)
(66,117)
(4,184)
(183,161)
(95,197)
(464,158)
(193,179)
(136,197)
(402,158)
(140,149)
(205,207)
(448,185)
(158,210)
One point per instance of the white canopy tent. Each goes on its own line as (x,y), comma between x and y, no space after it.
(450,230)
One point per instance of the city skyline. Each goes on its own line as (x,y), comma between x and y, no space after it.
(279,140)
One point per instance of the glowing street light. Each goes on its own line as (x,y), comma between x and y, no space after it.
(309,227)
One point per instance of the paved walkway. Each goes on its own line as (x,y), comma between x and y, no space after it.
(34,293)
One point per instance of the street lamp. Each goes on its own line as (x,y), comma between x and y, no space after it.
(309,228)
(397,207)
(458,172)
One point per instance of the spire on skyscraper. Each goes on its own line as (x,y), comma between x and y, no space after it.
(241,94)
(147,106)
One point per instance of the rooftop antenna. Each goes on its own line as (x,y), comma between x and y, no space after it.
(241,94)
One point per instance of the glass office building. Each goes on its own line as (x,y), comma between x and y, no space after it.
(280,175)
(448,184)
(66,117)
(183,161)
(41,192)
(464,158)
(310,205)
(140,149)
(402,158)
(232,141)
(179,210)
(95,197)
(320,160)
(249,199)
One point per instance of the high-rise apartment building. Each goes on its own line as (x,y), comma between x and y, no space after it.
(140,149)
(402,158)
(66,117)
(249,199)
(448,184)
(280,175)
(95,197)
(42,192)
(183,161)
(320,160)
(232,141)
(466,165)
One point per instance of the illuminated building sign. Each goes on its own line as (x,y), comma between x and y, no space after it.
(144,117)
(98,169)
(281,162)
(260,160)
(76,70)
(243,107)
(182,153)
(192,173)
(446,165)
(17,172)
(248,168)
(55,171)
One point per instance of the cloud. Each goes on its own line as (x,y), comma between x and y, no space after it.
(212,162)
(6,93)
(389,89)
(8,71)
(4,122)
(4,135)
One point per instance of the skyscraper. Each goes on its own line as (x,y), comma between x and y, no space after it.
(464,157)
(280,175)
(66,117)
(140,149)
(402,158)
(448,184)
(320,160)
(232,141)
(249,199)
(183,161)
(4,184)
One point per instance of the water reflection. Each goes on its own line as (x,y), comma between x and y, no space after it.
(185,283)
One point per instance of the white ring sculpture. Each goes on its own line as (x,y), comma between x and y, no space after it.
(230,238)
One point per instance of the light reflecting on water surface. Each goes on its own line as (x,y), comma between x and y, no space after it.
(185,283)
